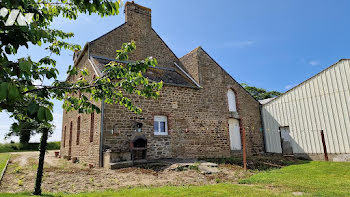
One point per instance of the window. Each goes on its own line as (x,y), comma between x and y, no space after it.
(231,97)
(160,125)
(92,121)
(78,130)
(64,136)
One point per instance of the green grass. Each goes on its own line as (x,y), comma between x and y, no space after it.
(17,147)
(202,191)
(3,159)
(316,178)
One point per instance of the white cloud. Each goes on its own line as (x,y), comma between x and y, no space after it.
(314,62)
(238,44)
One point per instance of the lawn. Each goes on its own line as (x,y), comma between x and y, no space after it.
(316,178)
(3,159)
(313,178)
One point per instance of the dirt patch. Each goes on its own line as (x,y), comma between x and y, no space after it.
(63,176)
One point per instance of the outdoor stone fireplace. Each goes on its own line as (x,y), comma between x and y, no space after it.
(138,148)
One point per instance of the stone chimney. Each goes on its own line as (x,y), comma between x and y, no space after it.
(137,15)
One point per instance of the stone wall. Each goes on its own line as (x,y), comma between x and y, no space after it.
(193,132)
(216,82)
(86,151)
(197,117)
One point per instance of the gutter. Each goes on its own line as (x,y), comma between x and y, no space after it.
(101,134)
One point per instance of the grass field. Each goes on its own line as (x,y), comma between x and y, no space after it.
(316,178)
(3,159)
(17,147)
(311,179)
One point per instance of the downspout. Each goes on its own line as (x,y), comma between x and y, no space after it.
(101,133)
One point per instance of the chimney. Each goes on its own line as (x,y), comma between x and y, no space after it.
(137,15)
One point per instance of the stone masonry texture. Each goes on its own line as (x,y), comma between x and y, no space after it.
(197,117)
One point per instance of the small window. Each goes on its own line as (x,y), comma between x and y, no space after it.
(78,130)
(160,125)
(92,125)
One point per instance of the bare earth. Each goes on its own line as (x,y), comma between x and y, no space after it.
(63,176)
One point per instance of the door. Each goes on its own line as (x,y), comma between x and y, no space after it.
(70,139)
(286,141)
(235,135)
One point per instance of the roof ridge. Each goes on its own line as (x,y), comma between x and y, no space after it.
(193,50)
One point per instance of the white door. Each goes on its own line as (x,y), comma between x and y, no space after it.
(235,135)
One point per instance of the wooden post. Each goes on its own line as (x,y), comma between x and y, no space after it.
(324,146)
(244,150)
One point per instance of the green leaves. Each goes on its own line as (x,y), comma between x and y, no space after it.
(41,114)
(32,108)
(13,92)
(44,114)
(259,93)
(25,66)
(3,90)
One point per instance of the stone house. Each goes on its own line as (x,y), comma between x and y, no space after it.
(200,112)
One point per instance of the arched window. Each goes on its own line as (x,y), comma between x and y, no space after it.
(92,125)
(64,136)
(78,130)
(231,97)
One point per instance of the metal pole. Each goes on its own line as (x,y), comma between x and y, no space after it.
(324,146)
(244,150)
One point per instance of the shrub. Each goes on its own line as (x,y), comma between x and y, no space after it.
(17,147)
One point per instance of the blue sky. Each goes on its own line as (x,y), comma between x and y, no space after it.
(273,44)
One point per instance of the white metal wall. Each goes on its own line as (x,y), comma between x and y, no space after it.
(321,102)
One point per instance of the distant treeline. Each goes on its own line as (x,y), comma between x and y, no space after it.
(17,147)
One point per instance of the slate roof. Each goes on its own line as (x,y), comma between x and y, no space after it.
(169,76)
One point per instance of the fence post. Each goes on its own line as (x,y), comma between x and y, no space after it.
(244,150)
(324,146)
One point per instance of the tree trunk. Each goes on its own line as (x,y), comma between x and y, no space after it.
(39,175)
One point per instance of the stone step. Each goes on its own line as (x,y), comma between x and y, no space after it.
(118,165)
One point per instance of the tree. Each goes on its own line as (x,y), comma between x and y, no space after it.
(23,99)
(24,130)
(259,93)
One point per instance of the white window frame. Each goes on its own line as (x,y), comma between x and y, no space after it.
(158,120)
(231,98)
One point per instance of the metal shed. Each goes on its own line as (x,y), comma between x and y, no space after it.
(292,121)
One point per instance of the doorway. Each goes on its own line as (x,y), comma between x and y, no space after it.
(235,135)
(286,141)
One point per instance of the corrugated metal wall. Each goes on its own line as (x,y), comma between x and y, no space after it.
(321,102)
